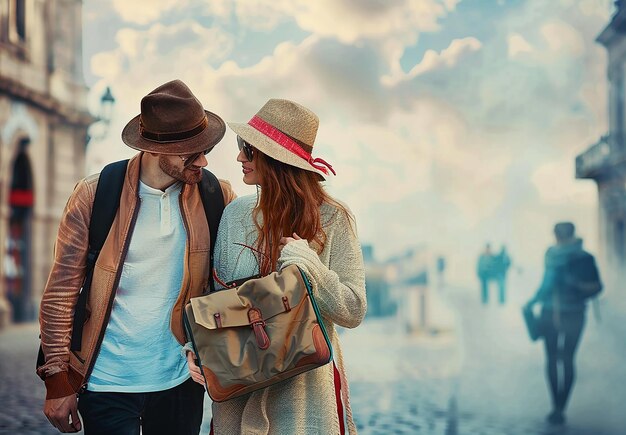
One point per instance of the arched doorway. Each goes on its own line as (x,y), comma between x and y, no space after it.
(17,258)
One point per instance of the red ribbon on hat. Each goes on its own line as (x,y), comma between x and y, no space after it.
(289,144)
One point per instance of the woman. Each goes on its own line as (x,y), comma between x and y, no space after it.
(291,220)
(570,279)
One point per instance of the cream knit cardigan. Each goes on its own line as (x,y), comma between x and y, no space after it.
(304,404)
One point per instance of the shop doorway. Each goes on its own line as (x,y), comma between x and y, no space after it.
(17,258)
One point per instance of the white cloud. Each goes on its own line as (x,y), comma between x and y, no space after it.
(130,42)
(107,64)
(346,20)
(162,47)
(145,11)
(432,60)
(350,21)
(598,8)
(263,14)
(517,45)
(451,4)
(563,38)
(219,8)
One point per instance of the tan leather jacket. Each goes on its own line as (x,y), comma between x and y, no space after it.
(66,372)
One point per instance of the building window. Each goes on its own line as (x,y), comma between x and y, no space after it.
(20,19)
(17,22)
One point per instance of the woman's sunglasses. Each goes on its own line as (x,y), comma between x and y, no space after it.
(248,150)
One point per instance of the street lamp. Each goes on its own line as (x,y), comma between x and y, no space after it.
(107,101)
(99,130)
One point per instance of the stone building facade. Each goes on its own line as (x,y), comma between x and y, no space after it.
(43,130)
(605,161)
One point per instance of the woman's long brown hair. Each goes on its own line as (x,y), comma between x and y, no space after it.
(289,203)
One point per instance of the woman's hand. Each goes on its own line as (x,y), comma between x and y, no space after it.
(194,370)
(285,240)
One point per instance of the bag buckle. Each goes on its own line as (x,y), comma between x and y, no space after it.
(258,325)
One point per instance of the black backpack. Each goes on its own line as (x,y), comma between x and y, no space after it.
(105,205)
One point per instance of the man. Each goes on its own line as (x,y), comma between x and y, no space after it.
(502,265)
(570,279)
(484,270)
(129,372)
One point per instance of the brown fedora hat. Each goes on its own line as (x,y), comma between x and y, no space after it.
(285,131)
(173,122)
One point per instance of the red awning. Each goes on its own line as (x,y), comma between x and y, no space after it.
(21,198)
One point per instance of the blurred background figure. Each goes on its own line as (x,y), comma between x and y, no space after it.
(493,267)
(485,271)
(502,263)
(441,271)
(570,279)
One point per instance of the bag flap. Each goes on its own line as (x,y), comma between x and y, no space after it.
(266,294)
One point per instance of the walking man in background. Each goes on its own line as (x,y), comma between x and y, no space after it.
(484,270)
(502,263)
(129,371)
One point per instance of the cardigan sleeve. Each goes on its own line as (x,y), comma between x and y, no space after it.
(221,261)
(339,286)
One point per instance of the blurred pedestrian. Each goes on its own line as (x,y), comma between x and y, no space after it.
(502,263)
(129,373)
(570,278)
(441,269)
(485,272)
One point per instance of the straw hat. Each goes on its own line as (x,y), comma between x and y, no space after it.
(173,122)
(285,131)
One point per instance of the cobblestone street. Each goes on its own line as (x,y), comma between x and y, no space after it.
(482,377)
(487,378)
(21,391)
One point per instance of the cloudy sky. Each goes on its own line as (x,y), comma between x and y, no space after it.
(449,122)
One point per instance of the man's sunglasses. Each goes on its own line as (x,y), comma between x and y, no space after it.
(248,150)
(188,160)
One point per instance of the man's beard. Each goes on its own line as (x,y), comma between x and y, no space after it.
(192,175)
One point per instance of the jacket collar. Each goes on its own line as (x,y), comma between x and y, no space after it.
(132,174)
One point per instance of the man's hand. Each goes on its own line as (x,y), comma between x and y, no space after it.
(194,370)
(59,412)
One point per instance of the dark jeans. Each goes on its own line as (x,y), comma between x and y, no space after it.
(561,331)
(174,411)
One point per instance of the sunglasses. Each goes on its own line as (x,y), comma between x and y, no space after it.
(188,160)
(248,150)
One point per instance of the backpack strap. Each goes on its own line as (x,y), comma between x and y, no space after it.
(105,205)
(213,202)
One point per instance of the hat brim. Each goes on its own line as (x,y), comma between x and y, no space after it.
(271,148)
(207,138)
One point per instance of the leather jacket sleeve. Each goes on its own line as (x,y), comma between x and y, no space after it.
(63,286)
